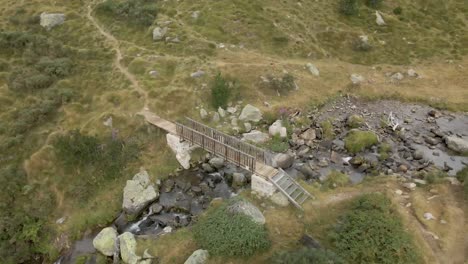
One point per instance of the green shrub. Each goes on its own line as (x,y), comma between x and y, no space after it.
(139,12)
(27,118)
(305,256)
(225,234)
(106,157)
(24,80)
(398,10)
(462,175)
(355,121)
(372,232)
(336,179)
(278,144)
(327,130)
(358,140)
(435,176)
(384,151)
(60,67)
(349,7)
(374,3)
(220,92)
(282,85)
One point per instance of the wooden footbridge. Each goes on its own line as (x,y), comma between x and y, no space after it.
(238,152)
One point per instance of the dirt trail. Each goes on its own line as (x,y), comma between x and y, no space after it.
(117,62)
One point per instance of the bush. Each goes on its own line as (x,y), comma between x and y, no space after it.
(220,92)
(355,121)
(282,85)
(349,7)
(384,151)
(336,179)
(305,256)
(327,130)
(225,234)
(373,233)
(106,157)
(278,144)
(374,3)
(398,11)
(357,140)
(139,12)
(435,176)
(29,80)
(60,67)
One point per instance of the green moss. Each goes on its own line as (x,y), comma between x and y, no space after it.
(384,151)
(327,130)
(355,121)
(358,140)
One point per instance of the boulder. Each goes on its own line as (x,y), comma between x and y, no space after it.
(379,19)
(248,127)
(181,149)
(231,110)
(138,193)
(277,128)
(198,257)
(159,33)
(221,112)
(280,199)
(356,79)
(250,113)
(397,77)
(238,179)
(457,144)
(216,117)
(308,135)
(104,242)
(203,113)
(283,160)
(216,162)
(313,69)
(255,136)
(412,73)
(207,168)
(128,247)
(248,209)
(49,21)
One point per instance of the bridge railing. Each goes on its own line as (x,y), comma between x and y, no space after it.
(233,142)
(216,147)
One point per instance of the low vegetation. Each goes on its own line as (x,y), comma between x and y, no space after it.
(385,150)
(282,85)
(226,234)
(278,144)
(327,130)
(462,176)
(307,255)
(336,179)
(349,7)
(137,12)
(357,140)
(221,92)
(372,232)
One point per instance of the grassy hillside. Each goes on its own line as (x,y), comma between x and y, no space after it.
(53,82)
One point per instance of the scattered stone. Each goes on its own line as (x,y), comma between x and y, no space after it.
(195,14)
(138,193)
(255,136)
(280,199)
(221,112)
(49,21)
(154,73)
(403,168)
(379,19)
(207,168)
(308,135)
(418,155)
(250,113)
(419,181)
(313,69)
(216,162)
(128,247)
(457,144)
(231,110)
(181,149)
(61,220)
(104,242)
(216,117)
(410,185)
(323,163)
(197,74)
(234,122)
(159,33)
(399,192)
(412,73)
(156,208)
(428,216)
(248,209)
(248,127)
(434,113)
(283,160)
(198,257)
(397,77)
(277,128)
(356,79)
(203,114)
(108,122)
(238,179)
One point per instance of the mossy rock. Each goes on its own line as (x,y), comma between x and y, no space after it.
(357,140)
(355,121)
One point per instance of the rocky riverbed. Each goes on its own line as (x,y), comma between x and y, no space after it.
(161,207)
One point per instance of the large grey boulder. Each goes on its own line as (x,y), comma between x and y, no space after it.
(138,193)
(457,144)
(49,21)
(277,128)
(198,257)
(181,149)
(283,161)
(159,33)
(356,79)
(250,113)
(128,247)
(104,242)
(255,136)
(238,179)
(379,19)
(217,162)
(248,209)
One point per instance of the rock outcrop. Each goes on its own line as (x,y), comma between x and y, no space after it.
(198,257)
(248,209)
(49,21)
(255,136)
(250,113)
(138,193)
(181,149)
(128,246)
(104,242)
